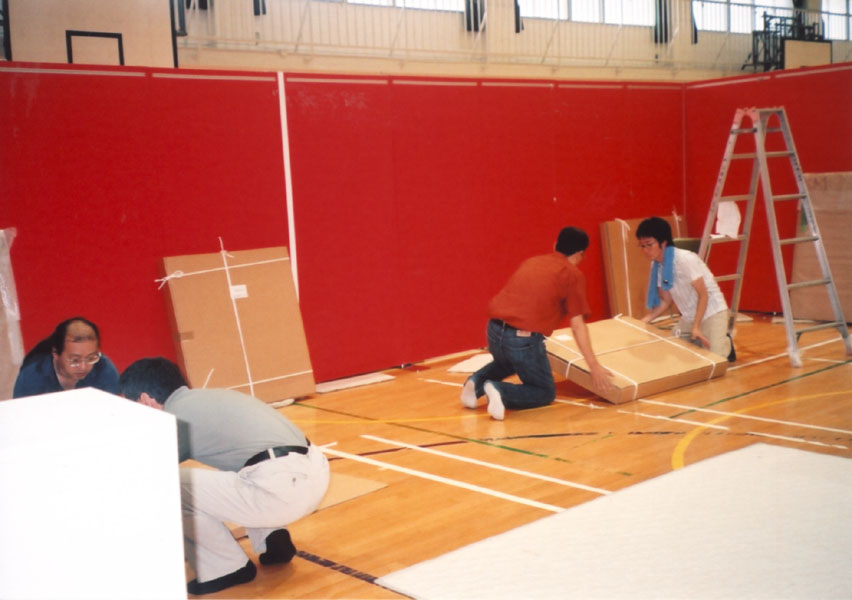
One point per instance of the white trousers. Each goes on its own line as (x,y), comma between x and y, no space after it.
(262,498)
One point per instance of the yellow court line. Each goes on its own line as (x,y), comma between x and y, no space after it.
(680,448)
(368,420)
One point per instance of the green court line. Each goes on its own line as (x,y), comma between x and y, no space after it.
(765,387)
(487,443)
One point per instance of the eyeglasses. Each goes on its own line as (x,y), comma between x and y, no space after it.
(89,360)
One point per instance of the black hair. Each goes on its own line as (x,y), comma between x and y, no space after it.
(55,342)
(571,240)
(157,377)
(657,228)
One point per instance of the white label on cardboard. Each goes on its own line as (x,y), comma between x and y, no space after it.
(239,291)
(563,337)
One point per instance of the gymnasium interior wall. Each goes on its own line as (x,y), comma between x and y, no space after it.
(413,198)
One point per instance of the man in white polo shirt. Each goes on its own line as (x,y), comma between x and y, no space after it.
(679,275)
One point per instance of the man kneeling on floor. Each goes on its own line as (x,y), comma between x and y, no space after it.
(543,292)
(268,476)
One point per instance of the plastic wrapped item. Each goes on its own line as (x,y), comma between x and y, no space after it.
(12,345)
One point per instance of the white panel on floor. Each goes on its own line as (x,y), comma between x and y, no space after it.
(760,522)
(90,501)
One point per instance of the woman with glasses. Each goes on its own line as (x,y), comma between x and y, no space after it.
(69,358)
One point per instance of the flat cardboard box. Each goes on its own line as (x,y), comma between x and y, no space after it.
(236,323)
(645,360)
(831,200)
(625,267)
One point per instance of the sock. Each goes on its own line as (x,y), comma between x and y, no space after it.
(279,548)
(241,575)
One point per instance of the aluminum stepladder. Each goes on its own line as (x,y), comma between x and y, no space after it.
(772,124)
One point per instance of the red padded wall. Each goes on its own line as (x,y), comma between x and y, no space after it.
(103,174)
(342,162)
(415,199)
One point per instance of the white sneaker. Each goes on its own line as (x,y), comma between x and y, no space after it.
(468,395)
(495,402)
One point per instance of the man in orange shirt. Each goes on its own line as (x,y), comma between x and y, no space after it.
(540,295)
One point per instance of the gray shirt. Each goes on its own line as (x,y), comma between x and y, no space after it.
(224,428)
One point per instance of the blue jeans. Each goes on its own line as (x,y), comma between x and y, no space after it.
(521,354)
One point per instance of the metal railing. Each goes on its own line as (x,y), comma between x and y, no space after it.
(689,37)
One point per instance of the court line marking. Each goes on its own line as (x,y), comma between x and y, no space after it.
(451,383)
(483,441)
(785,354)
(356,420)
(561,401)
(490,465)
(680,450)
(581,404)
(676,420)
(798,440)
(445,480)
(764,419)
(726,428)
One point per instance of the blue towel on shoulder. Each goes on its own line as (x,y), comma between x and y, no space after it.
(668,277)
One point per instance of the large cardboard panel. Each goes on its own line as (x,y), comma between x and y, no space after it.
(831,199)
(236,323)
(645,360)
(625,267)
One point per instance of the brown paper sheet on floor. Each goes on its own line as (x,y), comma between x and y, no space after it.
(341,488)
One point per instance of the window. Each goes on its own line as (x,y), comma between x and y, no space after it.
(737,16)
(544,9)
(614,12)
(837,18)
(629,12)
(451,5)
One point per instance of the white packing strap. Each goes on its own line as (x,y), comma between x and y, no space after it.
(580,356)
(561,345)
(206,381)
(178,274)
(225,256)
(634,383)
(279,378)
(670,341)
(677,219)
(624,229)
(630,347)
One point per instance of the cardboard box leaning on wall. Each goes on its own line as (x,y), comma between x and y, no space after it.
(236,322)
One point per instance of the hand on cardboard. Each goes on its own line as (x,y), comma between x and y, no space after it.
(601,378)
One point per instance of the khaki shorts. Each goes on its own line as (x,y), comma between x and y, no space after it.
(714,328)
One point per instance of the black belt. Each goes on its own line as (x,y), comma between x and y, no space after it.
(276,452)
(504,325)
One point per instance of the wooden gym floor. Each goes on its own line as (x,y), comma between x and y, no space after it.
(454,476)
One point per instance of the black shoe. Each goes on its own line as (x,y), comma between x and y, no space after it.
(732,355)
(279,548)
(242,575)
